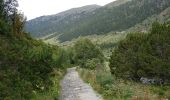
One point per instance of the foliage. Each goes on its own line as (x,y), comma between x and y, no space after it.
(63,57)
(104,78)
(54,92)
(116,89)
(86,54)
(18,23)
(100,21)
(11,20)
(7,10)
(106,42)
(26,65)
(143,55)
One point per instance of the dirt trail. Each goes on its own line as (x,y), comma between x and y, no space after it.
(73,88)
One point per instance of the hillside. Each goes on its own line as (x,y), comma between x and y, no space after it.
(59,22)
(116,3)
(116,16)
(113,65)
(106,41)
(144,26)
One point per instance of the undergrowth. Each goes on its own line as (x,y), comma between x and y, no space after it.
(116,89)
(54,92)
(30,69)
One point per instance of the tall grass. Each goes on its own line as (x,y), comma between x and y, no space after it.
(54,92)
(117,89)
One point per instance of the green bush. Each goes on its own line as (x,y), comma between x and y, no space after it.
(143,55)
(86,54)
(26,66)
(104,78)
(3,27)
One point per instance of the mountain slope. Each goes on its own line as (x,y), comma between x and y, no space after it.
(120,16)
(57,23)
(117,3)
(144,26)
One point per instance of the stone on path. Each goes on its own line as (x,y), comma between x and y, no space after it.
(73,88)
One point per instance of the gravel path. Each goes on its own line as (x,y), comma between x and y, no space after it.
(73,88)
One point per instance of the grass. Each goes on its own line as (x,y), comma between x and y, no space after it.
(116,89)
(54,92)
(108,38)
(106,42)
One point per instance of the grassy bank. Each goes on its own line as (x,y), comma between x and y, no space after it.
(54,92)
(116,89)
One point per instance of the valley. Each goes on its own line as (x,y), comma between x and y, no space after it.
(121,52)
(122,15)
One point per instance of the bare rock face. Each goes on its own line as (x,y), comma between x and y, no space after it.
(73,88)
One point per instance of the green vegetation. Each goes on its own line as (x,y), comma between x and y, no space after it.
(112,88)
(106,42)
(146,25)
(29,69)
(53,93)
(138,55)
(63,21)
(143,55)
(100,21)
(87,55)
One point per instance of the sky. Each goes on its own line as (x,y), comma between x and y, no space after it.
(36,8)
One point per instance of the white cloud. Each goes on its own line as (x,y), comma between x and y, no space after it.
(36,8)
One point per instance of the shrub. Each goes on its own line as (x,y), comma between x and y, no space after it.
(26,66)
(86,54)
(104,78)
(143,55)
